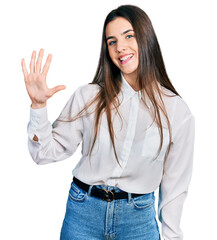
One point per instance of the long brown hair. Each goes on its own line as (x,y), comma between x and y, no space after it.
(151,73)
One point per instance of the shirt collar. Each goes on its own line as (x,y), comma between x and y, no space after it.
(129,92)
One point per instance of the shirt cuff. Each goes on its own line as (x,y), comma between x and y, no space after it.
(38,116)
(38,119)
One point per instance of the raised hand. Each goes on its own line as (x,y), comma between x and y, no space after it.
(35,81)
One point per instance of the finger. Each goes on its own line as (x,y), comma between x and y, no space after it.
(24,69)
(32,62)
(39,60)
(47,65)
(57,89)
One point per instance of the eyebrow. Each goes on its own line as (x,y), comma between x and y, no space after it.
(121,34)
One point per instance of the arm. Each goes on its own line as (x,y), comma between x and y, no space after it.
(46,142)
(50,143)
(175,181)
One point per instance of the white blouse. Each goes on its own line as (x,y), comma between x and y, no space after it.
(136,140)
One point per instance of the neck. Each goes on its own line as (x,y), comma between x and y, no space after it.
(132,79)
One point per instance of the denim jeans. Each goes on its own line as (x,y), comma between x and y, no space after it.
(91,218)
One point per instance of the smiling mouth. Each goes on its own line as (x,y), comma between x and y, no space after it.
(125,58)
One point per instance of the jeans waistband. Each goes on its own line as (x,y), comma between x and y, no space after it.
(103,194)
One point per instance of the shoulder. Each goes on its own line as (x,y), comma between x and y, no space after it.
(87,90)
(84,94)
(176,106)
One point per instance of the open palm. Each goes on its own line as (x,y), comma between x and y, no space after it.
(35,81)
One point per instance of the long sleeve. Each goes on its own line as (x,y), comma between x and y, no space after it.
(57,141)
(175,181)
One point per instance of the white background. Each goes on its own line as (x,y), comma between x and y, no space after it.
(32,197)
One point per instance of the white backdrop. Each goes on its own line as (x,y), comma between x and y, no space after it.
(32,197)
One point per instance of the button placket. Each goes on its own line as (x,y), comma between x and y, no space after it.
(129,136)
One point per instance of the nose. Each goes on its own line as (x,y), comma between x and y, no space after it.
(121,46)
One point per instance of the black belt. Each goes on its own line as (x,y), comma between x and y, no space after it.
(104,194)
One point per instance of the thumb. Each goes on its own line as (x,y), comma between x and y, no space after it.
(57,89)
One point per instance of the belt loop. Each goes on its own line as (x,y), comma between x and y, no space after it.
(89,190)
(129,197)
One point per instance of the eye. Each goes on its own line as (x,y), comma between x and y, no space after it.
(129,36)
(112,42)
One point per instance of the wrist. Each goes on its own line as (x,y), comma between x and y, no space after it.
(38,105)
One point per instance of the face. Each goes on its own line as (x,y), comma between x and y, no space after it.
(123,47)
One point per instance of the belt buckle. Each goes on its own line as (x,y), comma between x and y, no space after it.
(108,199)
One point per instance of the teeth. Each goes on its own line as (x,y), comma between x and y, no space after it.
(126,57)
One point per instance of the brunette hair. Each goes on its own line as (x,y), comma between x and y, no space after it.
(151,74)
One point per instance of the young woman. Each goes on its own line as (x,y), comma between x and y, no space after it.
(137,135)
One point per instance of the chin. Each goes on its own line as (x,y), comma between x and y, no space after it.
(128,71)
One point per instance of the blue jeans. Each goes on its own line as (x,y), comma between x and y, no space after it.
(91,218)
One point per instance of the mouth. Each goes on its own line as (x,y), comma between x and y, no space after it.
(125,58)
